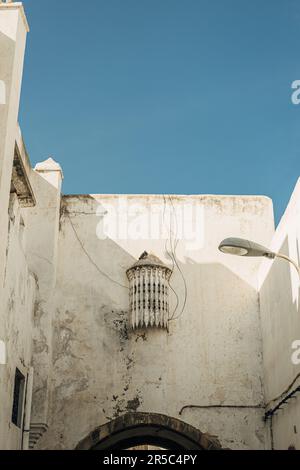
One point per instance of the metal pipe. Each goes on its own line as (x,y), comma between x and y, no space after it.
(287,258)
(221,406)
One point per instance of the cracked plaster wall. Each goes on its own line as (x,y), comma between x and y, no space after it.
(102,369)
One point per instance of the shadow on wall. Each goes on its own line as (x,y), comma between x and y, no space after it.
(279,300)
(90,258)
(7,45)
(100,361)
(280,313)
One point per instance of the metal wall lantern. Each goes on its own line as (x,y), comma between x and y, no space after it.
(149,292)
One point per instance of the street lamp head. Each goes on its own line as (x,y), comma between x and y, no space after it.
(241,247)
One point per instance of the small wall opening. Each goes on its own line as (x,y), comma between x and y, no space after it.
(18,399)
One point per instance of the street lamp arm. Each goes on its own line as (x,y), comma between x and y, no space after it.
(287,258)
(242,247)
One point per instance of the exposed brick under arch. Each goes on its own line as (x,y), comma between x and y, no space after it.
(139,428)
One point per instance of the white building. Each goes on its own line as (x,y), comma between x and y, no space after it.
(210,356)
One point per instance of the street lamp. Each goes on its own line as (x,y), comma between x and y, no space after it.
(241,247)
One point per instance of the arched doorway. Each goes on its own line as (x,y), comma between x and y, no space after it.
(135,429)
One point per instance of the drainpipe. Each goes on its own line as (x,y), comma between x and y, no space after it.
(27,411)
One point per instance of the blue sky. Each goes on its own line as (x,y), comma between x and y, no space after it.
(165,96)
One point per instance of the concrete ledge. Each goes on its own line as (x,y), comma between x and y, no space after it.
(20,182)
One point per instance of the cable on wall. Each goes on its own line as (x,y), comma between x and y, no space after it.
(285,392)
(89,257)
(271,433)
(272,411)
(171,257)
(178,267)
(221,406)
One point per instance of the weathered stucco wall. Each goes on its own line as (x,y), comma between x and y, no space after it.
(13,30)
(26,301)
(17,304)
(211,355)
(64,302)
(279,301)
(43,225)
(17,285)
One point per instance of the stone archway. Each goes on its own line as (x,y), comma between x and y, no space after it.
(140,428)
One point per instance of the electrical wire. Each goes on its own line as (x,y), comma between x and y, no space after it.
(89,257)
(272,433)
(171,257)
(172,270)
(221,406)
(285,400)
(178,267)
(173,250)
(285,392)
